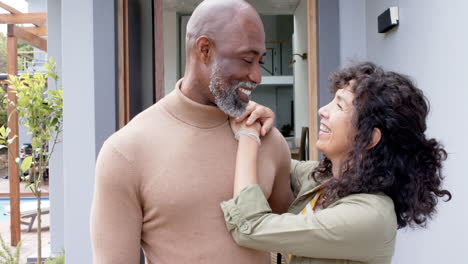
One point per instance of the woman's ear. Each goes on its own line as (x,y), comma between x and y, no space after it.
(204,47)
(376,137)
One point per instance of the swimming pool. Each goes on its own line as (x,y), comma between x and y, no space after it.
(6,201)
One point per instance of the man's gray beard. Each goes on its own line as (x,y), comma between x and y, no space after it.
(225,95)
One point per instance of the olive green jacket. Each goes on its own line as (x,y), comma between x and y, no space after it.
(359,228)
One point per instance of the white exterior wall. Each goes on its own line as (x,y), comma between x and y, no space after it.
(88,77)
(328,46)
(56,179)
(171,57)
(301,71)
(79,150)
(353,46)
(429,46)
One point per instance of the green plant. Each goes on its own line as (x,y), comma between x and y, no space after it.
(24,59)
(60,259)
(40,110)
(6,256)
(3,109)
(3,66)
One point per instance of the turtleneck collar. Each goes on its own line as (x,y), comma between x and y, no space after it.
(191,112)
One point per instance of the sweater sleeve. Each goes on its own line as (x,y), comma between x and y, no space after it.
(350,230)
(116,214)
(281,196)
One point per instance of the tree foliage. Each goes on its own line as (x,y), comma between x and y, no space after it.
(3,65)
(23,59)
(40,110)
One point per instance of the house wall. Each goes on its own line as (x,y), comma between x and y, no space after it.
(352,28)
(56,179)
(328,46)
(171,54)
(300,69)
(79,122)
(88,75)
(429,46)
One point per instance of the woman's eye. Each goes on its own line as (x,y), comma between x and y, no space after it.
(248,61)
(339,106)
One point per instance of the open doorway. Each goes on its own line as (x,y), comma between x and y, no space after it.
(152,58)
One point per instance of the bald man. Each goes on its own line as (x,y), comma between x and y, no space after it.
(161,178)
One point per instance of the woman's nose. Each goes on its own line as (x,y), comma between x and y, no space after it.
(323,112)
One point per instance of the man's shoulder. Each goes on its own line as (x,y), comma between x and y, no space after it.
(139,129)
(274,145)
(274,136)
(274,139)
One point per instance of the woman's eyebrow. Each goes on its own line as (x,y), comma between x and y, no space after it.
(341,98)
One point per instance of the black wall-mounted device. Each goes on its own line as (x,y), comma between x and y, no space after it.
(388,19)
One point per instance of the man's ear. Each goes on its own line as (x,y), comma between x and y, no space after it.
(204,49)
(376,137)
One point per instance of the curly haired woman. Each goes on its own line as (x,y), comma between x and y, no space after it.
(380,173)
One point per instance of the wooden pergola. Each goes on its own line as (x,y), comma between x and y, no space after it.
(34,36)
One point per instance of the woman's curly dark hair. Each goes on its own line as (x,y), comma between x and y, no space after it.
(404,165)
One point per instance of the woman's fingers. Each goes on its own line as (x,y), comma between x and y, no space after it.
(251,106)
(258,113)
(265,116)
(255,116)
(266,126)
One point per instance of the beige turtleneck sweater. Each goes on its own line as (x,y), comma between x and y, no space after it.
(161,178)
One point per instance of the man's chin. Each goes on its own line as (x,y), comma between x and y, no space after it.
(233,112)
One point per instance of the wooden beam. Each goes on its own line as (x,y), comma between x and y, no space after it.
(127,61)
(123,63)
(120,65)
(9,8)
(12,10)
(158,50)
(312,50)
(30,38)
(12,69)
(40,31)
(29,18)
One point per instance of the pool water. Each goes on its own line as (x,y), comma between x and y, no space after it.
(6,202)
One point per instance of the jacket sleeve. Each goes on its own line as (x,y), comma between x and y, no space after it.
(300,173)
(349,230)
(116,214)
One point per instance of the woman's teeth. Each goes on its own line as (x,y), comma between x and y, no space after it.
(324,129)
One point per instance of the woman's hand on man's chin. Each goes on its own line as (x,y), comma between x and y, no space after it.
(256,113)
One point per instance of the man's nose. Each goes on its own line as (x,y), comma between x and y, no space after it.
(255,75)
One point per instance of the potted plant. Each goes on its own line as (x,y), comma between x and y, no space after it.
(40,110)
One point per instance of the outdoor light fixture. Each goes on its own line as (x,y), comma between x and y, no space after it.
(388,19)
(303,56)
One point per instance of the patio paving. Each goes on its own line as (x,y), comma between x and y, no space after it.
(29,239)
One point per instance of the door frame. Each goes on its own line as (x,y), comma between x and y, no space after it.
(312,46)
(158,47)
